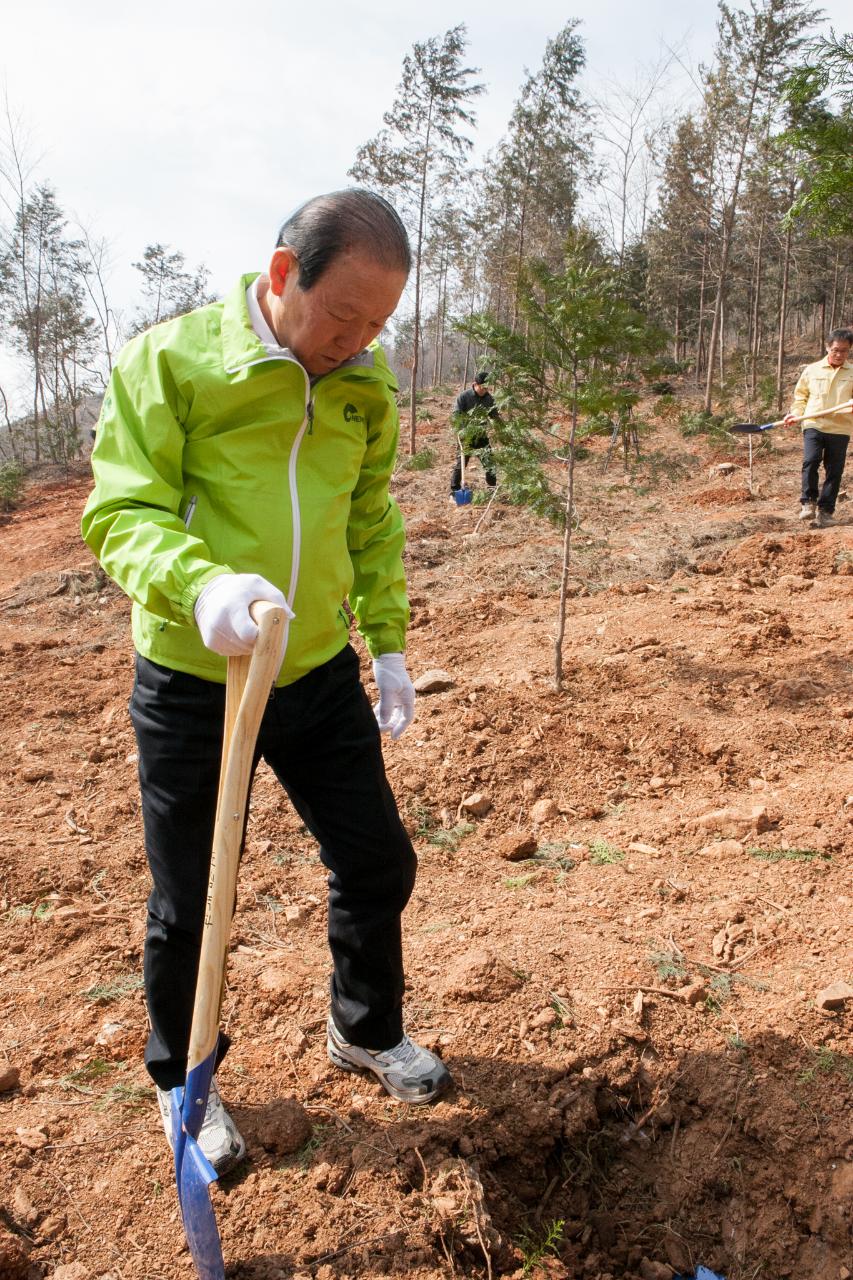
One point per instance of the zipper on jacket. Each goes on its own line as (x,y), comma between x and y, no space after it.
(296,549)
(190,511)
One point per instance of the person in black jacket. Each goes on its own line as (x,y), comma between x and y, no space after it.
(473,407)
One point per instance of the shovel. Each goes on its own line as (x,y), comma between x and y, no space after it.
(751,428)
(462,496)
(247,690)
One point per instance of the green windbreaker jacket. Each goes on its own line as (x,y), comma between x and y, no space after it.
(214,456)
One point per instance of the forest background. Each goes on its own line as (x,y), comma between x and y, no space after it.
(722,222)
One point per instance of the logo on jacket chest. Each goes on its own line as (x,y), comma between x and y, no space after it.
(351,414)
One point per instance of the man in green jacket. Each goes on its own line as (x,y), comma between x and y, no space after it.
(244,452)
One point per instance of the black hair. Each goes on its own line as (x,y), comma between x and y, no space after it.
(482,379)
(326,226)
(840,335)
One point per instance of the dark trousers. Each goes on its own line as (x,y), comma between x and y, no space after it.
(831,450)
(481,445)
(320,737)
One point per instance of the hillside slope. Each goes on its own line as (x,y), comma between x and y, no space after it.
(619,958)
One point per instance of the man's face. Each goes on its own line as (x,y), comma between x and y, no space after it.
(837,353)
(479,388)
(344,311)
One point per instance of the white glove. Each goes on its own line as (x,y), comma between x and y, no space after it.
(222,611)
(396,706)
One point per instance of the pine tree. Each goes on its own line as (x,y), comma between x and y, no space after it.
(753,50)
(44,316)
(168,288)
(823,137)
(420,151)
(569,360)
(536,175)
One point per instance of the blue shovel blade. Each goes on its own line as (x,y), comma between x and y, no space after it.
(462,496)
(194,1172)
(751,428)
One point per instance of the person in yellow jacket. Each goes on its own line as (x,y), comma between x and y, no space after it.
(821,385)
(243,452)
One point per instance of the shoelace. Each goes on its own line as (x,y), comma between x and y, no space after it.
(403,1053)
(214,1099)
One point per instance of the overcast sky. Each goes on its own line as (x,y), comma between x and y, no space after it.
(201,125)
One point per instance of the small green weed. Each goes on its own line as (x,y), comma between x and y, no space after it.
(273,904)
(720,991)
(304,1157)
(553,854)
(423,460)
(563,1010)
(106,992)
(81,1079)
(519,882)
(827,1062)
(131,1096)
(29,911)
(789,855)
(603,854)
(537,1244)
(450,840)
(668,964)
(425,820)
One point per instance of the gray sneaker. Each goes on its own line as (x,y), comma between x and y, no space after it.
(219,1139)
(407,1072)
(807,511)
(823,519)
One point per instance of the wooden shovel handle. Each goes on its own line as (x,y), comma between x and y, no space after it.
(248,685)
(819,413)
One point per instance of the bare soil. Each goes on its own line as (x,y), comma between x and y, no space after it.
(645,1081)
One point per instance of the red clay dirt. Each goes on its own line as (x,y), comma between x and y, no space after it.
(645,1079)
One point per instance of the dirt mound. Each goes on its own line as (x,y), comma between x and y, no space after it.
(811,557)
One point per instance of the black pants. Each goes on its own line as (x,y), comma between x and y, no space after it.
(831,450)
(481,445)
(320,737)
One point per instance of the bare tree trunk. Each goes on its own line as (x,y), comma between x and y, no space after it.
(728,231)
(783,316)
(416,335)
(567,539)
(700,331)
(756,311)
(834,289)
(519,257)
(443,329)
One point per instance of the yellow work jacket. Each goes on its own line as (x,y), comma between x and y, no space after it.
(820,387)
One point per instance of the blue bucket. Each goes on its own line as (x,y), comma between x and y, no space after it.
(462,496)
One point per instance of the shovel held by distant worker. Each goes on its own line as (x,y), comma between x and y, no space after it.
(752,428)
(247,689)
(463,495)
